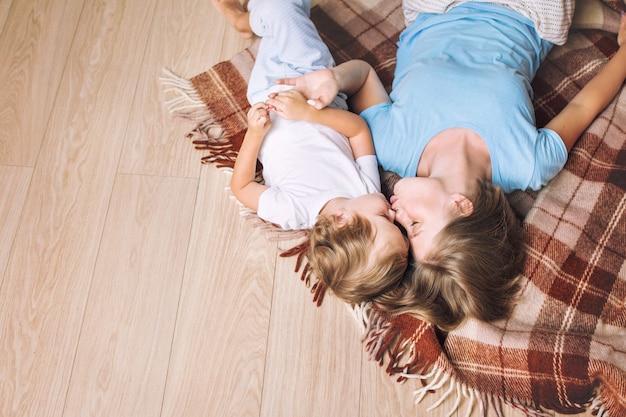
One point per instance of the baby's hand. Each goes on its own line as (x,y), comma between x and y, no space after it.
(259,119)
(290,105)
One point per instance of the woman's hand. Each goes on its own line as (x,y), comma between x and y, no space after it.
(319,86)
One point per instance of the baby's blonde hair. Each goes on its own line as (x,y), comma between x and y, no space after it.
(341,257)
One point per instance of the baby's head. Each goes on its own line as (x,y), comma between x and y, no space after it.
(358,252)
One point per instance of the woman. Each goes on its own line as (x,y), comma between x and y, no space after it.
(459,126)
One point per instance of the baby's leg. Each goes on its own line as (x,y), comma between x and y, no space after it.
(290,44)
(236,14)
(291,37)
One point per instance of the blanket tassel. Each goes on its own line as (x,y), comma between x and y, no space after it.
(183,102)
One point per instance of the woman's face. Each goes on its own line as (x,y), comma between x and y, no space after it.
(423,207)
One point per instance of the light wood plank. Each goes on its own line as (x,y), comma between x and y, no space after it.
(122,358)
(49,271)
(218,354)
(34,46)
(5,6)
(14,182)
(314,354)
(188,38)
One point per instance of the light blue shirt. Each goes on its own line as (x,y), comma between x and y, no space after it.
(470,68)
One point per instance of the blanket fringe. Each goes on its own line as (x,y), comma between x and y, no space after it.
(183,102)
(438,379)
(598,407)
(385,335)
(318,288)
(380,335)
(464,396)
(361,314)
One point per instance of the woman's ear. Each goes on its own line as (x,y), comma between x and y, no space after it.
(340,218)
(463,205)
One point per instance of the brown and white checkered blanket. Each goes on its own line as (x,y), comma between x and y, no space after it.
(564,348)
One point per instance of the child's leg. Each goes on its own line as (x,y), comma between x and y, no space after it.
(290,44)
(236,15)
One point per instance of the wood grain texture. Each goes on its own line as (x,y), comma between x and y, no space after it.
(122,355)
(5,7)
(14,182)
(34,44)
(219,349)
(50,270)
(313,354)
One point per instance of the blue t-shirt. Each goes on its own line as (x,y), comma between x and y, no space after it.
(469,68)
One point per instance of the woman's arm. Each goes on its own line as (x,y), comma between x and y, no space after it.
(292,105)
(360,82)
(576,117)
(356,78)
(242,183)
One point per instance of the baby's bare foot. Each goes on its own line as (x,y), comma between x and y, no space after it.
(236,14)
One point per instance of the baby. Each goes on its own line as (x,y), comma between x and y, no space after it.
(319,166)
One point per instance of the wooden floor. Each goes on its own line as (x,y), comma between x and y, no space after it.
(129,283)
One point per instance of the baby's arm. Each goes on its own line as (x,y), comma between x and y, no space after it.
(292,105)
(572,121)
(242,183)
(356,78)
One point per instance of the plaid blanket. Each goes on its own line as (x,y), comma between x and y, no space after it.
(564,348)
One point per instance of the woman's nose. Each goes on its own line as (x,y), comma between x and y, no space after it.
(400,216)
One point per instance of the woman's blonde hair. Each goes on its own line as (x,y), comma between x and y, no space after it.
(472,271)
(340,255)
